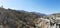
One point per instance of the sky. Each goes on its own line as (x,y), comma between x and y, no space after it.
(41,6)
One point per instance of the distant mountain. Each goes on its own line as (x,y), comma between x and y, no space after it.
(55,14)
(20,10)
(39,14)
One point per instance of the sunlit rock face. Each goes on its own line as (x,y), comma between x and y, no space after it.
(43,23)
(54,20)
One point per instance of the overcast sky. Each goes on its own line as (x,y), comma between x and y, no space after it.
(41,6)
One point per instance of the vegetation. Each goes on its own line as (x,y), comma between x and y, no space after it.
(17,19)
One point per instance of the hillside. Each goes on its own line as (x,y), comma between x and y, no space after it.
(16,19)
(10,18)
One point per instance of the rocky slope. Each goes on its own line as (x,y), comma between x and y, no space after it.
(16,19)
(22,19)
